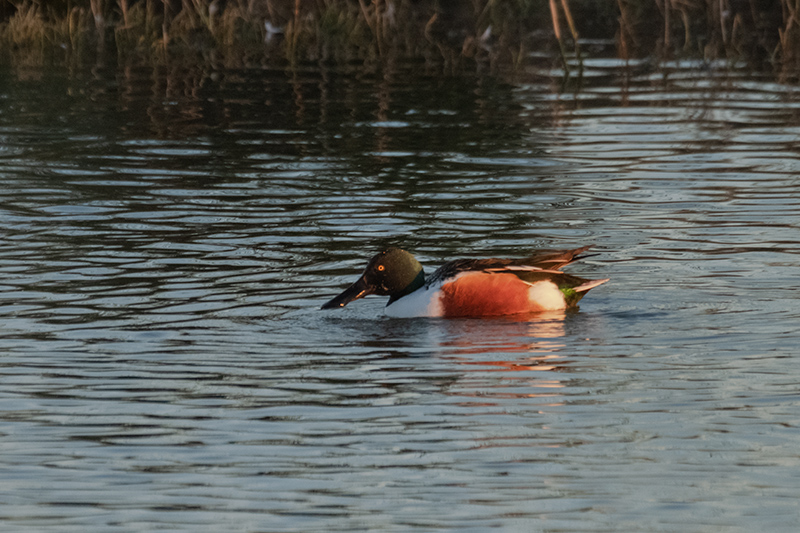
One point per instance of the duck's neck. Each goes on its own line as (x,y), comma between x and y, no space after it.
(418,282)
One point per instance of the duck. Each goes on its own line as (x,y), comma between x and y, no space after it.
(471,287)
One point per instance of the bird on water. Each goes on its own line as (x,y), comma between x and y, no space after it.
(471,287)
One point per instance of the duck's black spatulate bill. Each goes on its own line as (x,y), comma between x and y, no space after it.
(357,290)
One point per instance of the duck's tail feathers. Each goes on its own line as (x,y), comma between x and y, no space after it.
(591,284)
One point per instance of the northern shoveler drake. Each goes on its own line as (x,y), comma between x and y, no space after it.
(470,287)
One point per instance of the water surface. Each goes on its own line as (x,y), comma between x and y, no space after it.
(167,238)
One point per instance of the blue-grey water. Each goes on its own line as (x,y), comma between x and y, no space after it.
(167,238)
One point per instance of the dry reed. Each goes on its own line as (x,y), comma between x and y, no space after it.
(457,33)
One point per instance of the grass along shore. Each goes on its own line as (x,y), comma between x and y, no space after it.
(457,33)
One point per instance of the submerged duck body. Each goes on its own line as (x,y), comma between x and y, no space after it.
(470,287)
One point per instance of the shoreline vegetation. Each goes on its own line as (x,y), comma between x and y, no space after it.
(457,34)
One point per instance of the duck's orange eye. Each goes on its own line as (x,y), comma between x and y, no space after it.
(381,268)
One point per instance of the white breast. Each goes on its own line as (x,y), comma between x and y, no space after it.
(422,302)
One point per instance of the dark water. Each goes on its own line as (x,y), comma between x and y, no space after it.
(167,238)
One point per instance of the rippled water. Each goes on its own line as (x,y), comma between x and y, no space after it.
(167,239)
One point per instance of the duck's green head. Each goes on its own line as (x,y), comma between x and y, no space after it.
(393,273)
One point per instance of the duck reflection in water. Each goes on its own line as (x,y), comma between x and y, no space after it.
(535,341)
